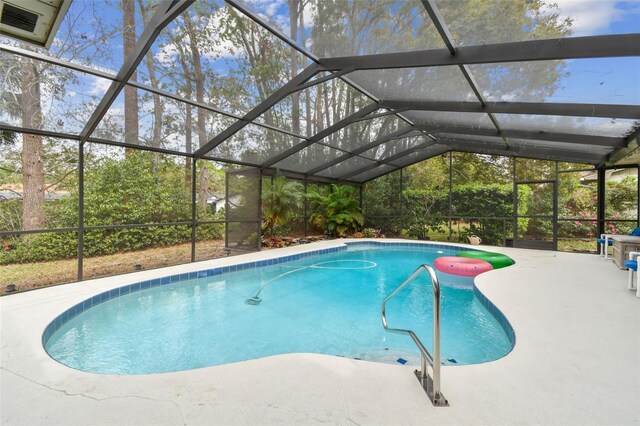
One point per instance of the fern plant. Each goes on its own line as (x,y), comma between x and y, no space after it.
(339,211)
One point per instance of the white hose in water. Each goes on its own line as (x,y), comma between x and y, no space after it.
(255,300)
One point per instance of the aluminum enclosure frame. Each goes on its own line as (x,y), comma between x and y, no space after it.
(608,46)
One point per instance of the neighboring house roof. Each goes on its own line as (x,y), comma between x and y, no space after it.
(611,174)
(6,194)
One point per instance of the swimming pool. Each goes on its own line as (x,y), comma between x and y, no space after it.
(324,302)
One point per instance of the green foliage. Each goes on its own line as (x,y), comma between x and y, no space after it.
(469,168)
(339,211)
(40,247)
(622,198)
(425,210)
(140,189)
(576,199)
(382,203)
(281,199)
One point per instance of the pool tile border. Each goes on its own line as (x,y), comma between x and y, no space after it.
(80,307)
(497,314)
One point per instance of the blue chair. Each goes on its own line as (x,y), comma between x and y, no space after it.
(632,264)
(605,241)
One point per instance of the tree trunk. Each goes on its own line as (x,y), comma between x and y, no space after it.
(32,150)
(294,7)
(188,123)
(198,78)
(130,93)
(187,160)
(307,98)
(157,103)
(186,78)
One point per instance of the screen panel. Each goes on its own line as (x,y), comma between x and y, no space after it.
(420,155)
(395,147)
(41,96)
(426,199)
(38,183)
(38,260)
(210,241)
(507,21)
(243,209)
(353,27)
(373,173)
(363,132)
(350,165)
(315,155)
(609,81)
(118,251)
(446,83)
(254,144)
(312,110)
(140,187)
(161,122)
(439,118)
(382,204)
(577,212)
(594,126)
(227,67)
(621,194)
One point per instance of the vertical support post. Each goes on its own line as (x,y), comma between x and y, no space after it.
(504,231)
(306,206)
(401,215)
(555,209)
(193,209)
(80,210)
(450,195)
(638,207)
(437,396)
(515,204)
(360,195)
(424,376)
(601,202)
(260,209)
(226,209)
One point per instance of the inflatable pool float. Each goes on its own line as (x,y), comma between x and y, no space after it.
(496,260)
(466,267)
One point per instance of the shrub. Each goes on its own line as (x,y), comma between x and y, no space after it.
(140,189)
(339,211)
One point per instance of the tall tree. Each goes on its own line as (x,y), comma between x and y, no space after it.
(156,136)
(188,117)
(32,149)
(198,79)
(295,9)
(131,124)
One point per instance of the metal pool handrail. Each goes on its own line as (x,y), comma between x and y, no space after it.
(431,386)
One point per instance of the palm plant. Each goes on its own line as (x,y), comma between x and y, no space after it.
(280,200)
(339,211)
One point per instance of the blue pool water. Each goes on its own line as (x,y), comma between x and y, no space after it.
(327,304)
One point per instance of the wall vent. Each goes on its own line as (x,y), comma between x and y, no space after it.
(33,21)
(18,18)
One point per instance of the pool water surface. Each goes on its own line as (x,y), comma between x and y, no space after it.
(328,304)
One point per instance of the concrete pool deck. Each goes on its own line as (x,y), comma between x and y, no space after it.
(576,361)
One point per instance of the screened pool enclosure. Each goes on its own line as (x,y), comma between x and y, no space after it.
(155,124)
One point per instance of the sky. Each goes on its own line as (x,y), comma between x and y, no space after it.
(615,81)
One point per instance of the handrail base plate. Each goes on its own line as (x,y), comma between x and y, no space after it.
(427,385)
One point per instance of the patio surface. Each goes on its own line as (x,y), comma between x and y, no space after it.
(576,361)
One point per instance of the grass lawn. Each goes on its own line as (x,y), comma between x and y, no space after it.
(30,275)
